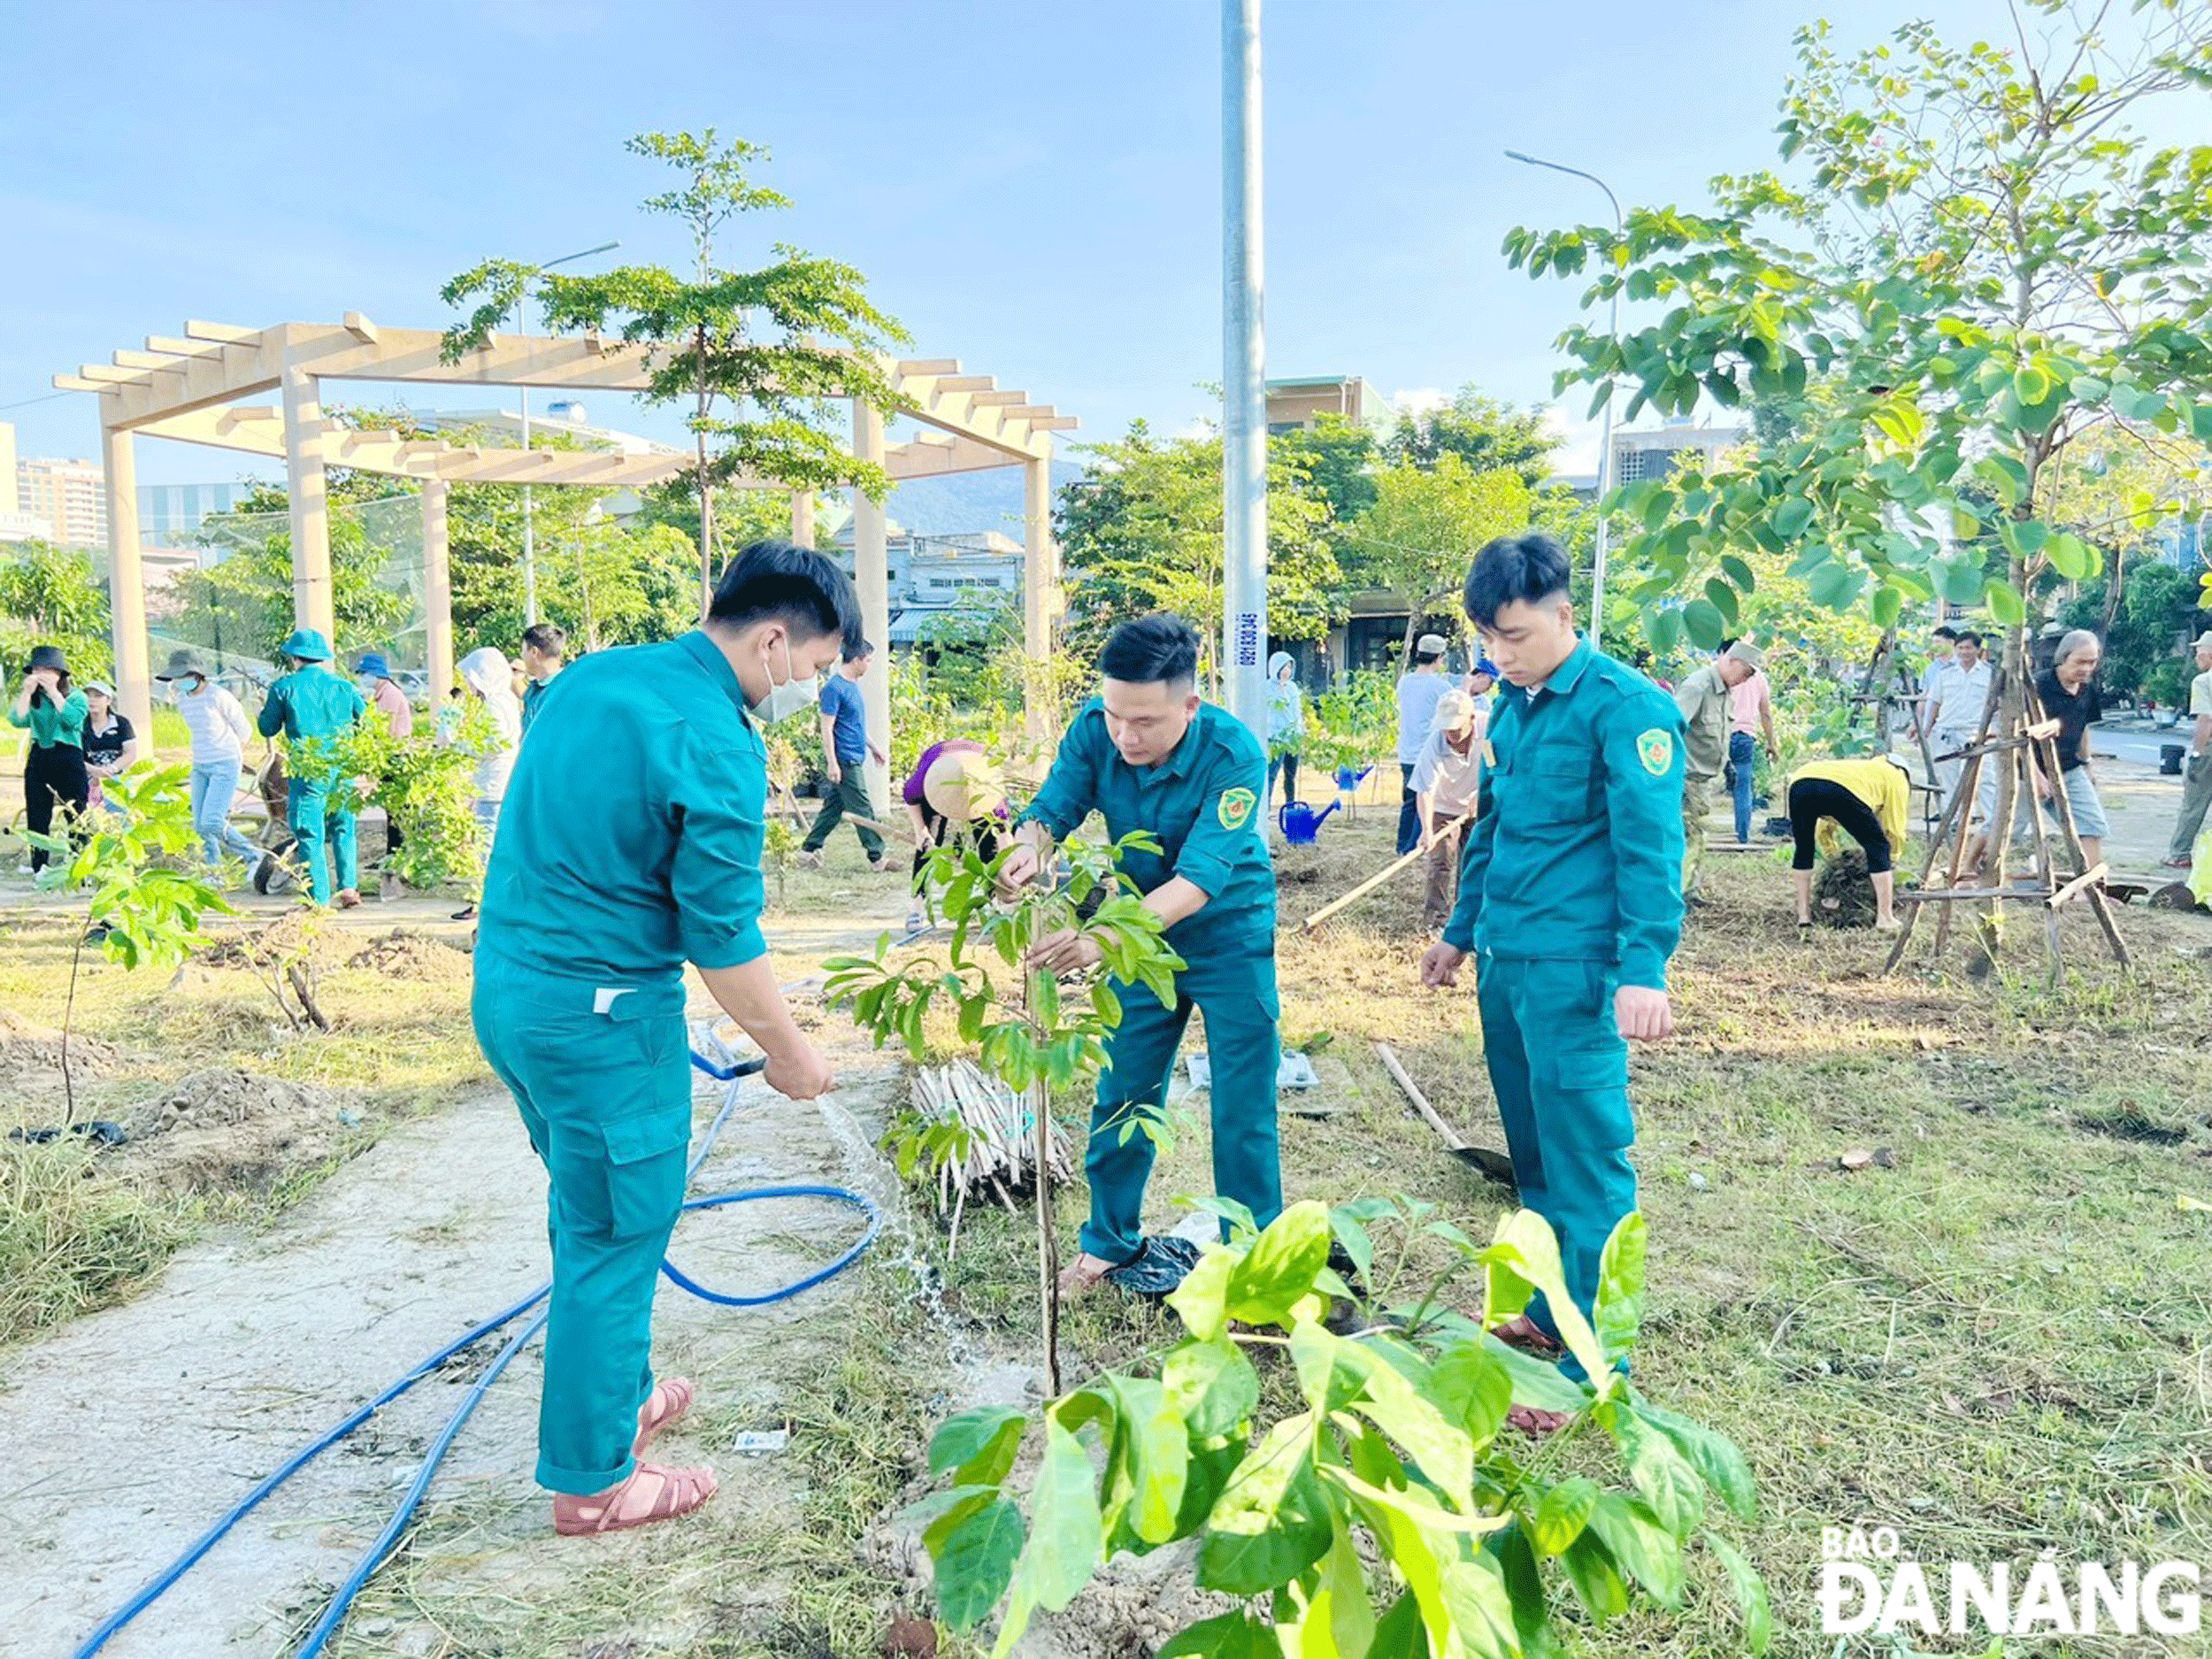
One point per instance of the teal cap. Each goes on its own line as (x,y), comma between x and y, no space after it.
(308,645)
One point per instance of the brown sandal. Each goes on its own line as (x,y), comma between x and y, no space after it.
(674,1492)
(1524,1333)
(669,1403)
(1086,1273)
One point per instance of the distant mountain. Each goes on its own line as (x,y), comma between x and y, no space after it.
(962,501)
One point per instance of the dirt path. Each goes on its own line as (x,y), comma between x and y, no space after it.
(251,1344)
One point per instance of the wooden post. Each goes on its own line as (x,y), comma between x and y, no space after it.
(1037,1102)
(802,516)
(872,576)
(1041,573)
(126,585)
(312,602)
(437,596)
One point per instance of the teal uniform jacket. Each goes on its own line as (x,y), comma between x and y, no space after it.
(629,844)
(306,703)
(1570,887)
(1203,804)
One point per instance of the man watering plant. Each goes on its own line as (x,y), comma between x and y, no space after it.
(630,843)
(1570,892)
(1149,754)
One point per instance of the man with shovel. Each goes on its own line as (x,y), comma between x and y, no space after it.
(1571,892)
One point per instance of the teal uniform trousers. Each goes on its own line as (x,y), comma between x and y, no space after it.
(1569,888)
(1244,1038)
(606,1098)
(311,702)
(317,822)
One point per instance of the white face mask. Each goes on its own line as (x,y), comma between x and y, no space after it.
(792,696)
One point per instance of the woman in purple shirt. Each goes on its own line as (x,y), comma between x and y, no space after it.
(952,792)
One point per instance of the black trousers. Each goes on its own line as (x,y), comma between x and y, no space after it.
(942,832)
(1408,814)
(1813,799)
(53,777)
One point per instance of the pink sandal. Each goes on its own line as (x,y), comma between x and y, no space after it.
(674,1492)
(668,1403)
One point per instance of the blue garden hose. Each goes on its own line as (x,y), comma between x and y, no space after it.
(724,1069)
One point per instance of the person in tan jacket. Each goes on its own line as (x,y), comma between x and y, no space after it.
(1446,778)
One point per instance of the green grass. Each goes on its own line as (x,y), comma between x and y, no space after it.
(1998,1345)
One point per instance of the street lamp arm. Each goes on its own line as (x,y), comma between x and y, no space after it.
(1532,161)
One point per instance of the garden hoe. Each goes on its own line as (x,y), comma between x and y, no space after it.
(1495,1166)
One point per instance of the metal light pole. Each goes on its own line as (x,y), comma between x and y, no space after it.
(1243,372)
(1605,429)
(529,530)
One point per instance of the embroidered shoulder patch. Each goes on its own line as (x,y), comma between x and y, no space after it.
(1655,749)
(1235,809)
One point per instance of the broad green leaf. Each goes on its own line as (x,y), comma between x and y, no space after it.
(976,1564)
(2031,383)
(2072,557)
(1664,629)
(1836,587)
(1660,1473)
(1525,1586)
(1399,1633)
(2024,538)
(1272,1521)
(1791,516)
(1441,1450)
(1352,1233)
(1482,1612)
(1751,1594)
(2005,604)
(1154,1446)
(1337,1618)
(1658,508)
(1704,623)
(1230,1636)
(1712,1454)
(1526,1246)
(1211,1464)
(1279,1271)
(979,1443)
(1958,580)
(1597,1581)
(1886,606)
(1645,1550)
(1563,1515)
(938,1512)
(1065,1547)
(1723,599)
(1201,1300)
(1739,572)
(1470,1383)
(2137,404)
(1211,1386)
(1331,1371)
(1617,1311)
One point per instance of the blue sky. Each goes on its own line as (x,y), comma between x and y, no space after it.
(1032,187)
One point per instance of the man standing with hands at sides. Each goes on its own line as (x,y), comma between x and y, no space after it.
(1707,699)
(1419,691)
(544,654)
(847,750)
(594,900)
(1954,705)
(2196,786)
(1570,892)
(1148,755)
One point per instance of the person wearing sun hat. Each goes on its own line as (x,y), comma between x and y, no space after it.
(219,730)
(954,795)
(311,702)
(51,708)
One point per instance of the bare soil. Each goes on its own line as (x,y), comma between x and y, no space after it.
(227,1130)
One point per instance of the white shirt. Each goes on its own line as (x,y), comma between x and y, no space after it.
(1962,695)
(217,722)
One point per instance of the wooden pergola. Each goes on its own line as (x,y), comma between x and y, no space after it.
(189,388)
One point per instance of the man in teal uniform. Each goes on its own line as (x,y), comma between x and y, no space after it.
(311,702)
(630,844)
(1570,890)
(1148,755)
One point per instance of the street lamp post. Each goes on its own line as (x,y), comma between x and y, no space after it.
(1605,428)
(529,534)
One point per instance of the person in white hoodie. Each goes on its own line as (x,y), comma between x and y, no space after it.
(219,729)
(489,678)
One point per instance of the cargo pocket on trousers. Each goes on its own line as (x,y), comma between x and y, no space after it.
(1593,1097)
(645,1175)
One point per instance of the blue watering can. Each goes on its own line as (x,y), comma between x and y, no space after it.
(1301,823)
(1347,780)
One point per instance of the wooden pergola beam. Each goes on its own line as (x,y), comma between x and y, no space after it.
(360,328)
(221,333)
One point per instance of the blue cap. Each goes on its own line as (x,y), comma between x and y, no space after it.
(1486,667)
(308,645)
(373,663)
